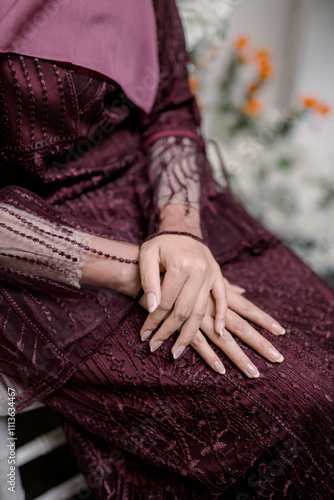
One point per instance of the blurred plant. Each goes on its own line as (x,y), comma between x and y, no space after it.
(272,173)
(205,27)
(242,102)
(204,23)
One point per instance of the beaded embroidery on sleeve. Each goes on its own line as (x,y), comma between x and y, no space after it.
(31,244)
(174,172)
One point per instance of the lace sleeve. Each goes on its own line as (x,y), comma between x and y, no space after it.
(174,172)
(36,246)
(171,137)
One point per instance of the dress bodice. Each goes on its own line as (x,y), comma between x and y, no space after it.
(52,115)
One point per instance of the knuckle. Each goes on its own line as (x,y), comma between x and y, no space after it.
(148,284)
(201,266)
(225,337)
(264,345)
(199,315)
(198,340)
(163,335)
(181,315)
(161,311)
(248,333)
(242,360)
(247,307)
(165,305)
(182,264)
(239,325)
(146,279)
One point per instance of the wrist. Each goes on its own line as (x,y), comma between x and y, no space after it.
(175,218)
(113,274)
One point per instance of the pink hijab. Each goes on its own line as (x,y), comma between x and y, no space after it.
(117,38)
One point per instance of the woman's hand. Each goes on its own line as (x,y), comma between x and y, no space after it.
(112,274)
(191,276)
(239,309)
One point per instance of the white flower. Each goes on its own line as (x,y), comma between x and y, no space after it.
(289,202)
(204,21)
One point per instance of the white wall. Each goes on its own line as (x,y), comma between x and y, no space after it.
(300,35)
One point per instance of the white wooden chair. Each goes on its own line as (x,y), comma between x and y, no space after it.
(38,447)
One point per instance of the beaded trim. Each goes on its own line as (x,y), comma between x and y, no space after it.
(180,233)
(64,238)
(38,262)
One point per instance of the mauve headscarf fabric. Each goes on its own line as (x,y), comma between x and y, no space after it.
(94,35)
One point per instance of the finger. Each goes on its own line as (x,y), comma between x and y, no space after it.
(235,288)
(150,276)
(229,346)
(192,324)
(219,293)
(171,286)
(200,344)
(184,309)
(251,337)
(250,311)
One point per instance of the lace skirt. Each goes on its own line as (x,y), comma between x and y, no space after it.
(143,426)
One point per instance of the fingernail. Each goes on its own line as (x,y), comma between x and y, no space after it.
(252,371)
(156,345)
(151,302)
(146,335)
(219,367)
(274,355)
(238,289)
(222,328)
(278,329)
(179,351)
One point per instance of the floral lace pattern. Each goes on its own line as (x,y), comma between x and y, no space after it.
(175,171)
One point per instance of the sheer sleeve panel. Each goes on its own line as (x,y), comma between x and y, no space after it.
(36,246)
(174,172)
(179,171)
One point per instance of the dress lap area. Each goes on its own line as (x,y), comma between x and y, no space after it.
(142,425)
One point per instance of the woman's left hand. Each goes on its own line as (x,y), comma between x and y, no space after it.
(239,310)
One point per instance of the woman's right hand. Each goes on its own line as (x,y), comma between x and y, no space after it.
(191,274)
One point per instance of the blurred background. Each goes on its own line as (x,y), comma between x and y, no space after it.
(263,73)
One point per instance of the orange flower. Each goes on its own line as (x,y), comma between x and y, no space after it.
(194,84)
(310,102)
(265,69)
(323,109)
(254,87)
(263,55)
(241,43)
(252,107)
(317,106)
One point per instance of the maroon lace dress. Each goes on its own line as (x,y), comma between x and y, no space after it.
(77,159)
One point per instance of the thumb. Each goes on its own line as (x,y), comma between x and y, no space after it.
(149,267)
